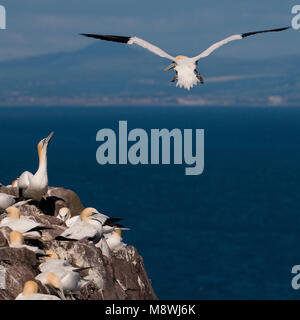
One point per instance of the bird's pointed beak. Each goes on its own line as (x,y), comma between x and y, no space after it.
(49,137)
(47,140)
(171,66)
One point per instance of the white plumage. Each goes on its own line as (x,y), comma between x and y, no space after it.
(6,201)
(187,75)
(86,226)
(36,186)
(37,296)
(27,226)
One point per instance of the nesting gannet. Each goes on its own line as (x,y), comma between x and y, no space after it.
(52,260)
(114,240)
(36,186)
(68,275)
(186,68)
(51,281)
(16,240)
(30,292)
(88,226)
(108,224)
(64,214)
(28,227)
(6,201)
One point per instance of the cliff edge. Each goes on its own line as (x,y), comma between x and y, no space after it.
(118,275)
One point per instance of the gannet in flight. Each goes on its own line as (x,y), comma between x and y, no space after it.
(36,186)
(28,227)
(30,292)
(186,68)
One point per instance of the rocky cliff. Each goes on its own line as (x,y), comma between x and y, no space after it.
(117,275)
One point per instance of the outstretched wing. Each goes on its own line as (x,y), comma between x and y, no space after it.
(219,44)
(131,40)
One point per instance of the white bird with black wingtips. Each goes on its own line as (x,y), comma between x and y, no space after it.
(187,74)
(108,224)
(16,240)
(27,226)
(88,226)
(69,275)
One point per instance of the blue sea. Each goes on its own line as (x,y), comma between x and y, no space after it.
(231,233)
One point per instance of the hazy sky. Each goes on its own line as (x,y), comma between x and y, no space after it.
(44,26)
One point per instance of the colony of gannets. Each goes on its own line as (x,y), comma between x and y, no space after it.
(59,277)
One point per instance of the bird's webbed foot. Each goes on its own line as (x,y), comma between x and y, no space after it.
(199,77)
(175,77)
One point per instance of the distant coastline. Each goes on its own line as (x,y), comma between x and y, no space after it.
(192,101)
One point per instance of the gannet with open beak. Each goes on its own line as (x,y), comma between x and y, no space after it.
(186,68)
(36,186)
(16,240)
(51,281)
(30,292)
(108,224)
(28,227)
(89,227)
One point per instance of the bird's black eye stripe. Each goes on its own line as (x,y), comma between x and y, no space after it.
(97,220)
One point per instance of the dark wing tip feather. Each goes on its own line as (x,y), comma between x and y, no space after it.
(244,35)
(111,221)
(120,39)
(40,228)
(60,238)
